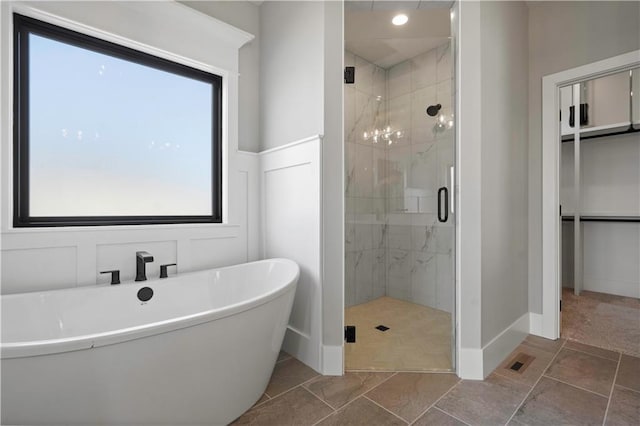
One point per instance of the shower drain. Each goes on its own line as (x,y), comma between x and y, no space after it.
(382,328)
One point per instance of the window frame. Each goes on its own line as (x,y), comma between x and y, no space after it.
(22,27)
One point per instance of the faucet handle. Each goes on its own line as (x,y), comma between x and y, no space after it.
(115,276)
(163,270)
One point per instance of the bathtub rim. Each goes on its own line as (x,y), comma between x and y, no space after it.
(25,349)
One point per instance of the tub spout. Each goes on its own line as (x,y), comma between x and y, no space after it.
(142,257)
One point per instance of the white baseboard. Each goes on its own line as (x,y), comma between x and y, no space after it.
(332,360)
(535,324)
(494,352)
(477,364)
(299,345)
(470,364)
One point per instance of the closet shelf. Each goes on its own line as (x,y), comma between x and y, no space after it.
(604,131)
(602,218)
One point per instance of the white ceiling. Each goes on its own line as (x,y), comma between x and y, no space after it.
(370,34)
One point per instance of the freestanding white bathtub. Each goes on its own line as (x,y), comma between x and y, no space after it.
(200,351)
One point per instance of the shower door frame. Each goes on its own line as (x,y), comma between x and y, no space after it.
(453,200)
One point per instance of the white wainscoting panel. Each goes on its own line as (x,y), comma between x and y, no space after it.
(43,268)
(119,256)
(207,253)
(291,228)
(54,258)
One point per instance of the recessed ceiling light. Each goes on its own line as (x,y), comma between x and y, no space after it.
(400,19)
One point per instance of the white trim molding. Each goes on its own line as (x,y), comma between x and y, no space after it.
(551,280)
(332,360)
(470,364)
(535,324)
(494,352)
(291,207)
(477,364)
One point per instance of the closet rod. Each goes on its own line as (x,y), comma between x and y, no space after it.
(603,218)
(627,131)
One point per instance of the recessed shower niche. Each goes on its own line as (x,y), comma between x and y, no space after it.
(399,169)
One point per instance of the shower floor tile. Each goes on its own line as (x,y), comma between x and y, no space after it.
(418,338)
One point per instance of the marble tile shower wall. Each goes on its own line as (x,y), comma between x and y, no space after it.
(394,244)
(365,229)
(419,247)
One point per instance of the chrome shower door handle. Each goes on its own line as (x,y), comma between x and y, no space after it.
(452,184)
(441,217)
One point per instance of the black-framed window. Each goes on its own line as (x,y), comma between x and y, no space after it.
(108,135)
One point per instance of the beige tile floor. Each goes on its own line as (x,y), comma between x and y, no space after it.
(418,339)
(566,383)
(602,320)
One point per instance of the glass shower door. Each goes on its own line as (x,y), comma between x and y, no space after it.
(400,210)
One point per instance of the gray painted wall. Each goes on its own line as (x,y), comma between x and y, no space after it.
(564,35)
(246,16)
(292,71)
(504,76)
(301,96)
(333,178)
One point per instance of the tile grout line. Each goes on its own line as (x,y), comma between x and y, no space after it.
(258,405)
(537,381)
(390,412)
(271,398)
(384,381)
(356,397)
(626,388)
(598,356)
(449,414)
(335,411)
(438,400)
(445,394)
(613,385)
(324,418)
(296,386)
(576,386)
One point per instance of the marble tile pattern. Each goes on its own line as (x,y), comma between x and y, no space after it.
(365,165)
(395,245)
(420,399)
(419,247)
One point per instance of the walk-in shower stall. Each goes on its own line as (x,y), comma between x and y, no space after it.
(399,139)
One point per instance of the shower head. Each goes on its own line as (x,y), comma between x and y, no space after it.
(433,110)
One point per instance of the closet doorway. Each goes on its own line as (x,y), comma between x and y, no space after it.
(600,203)
(596,192)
